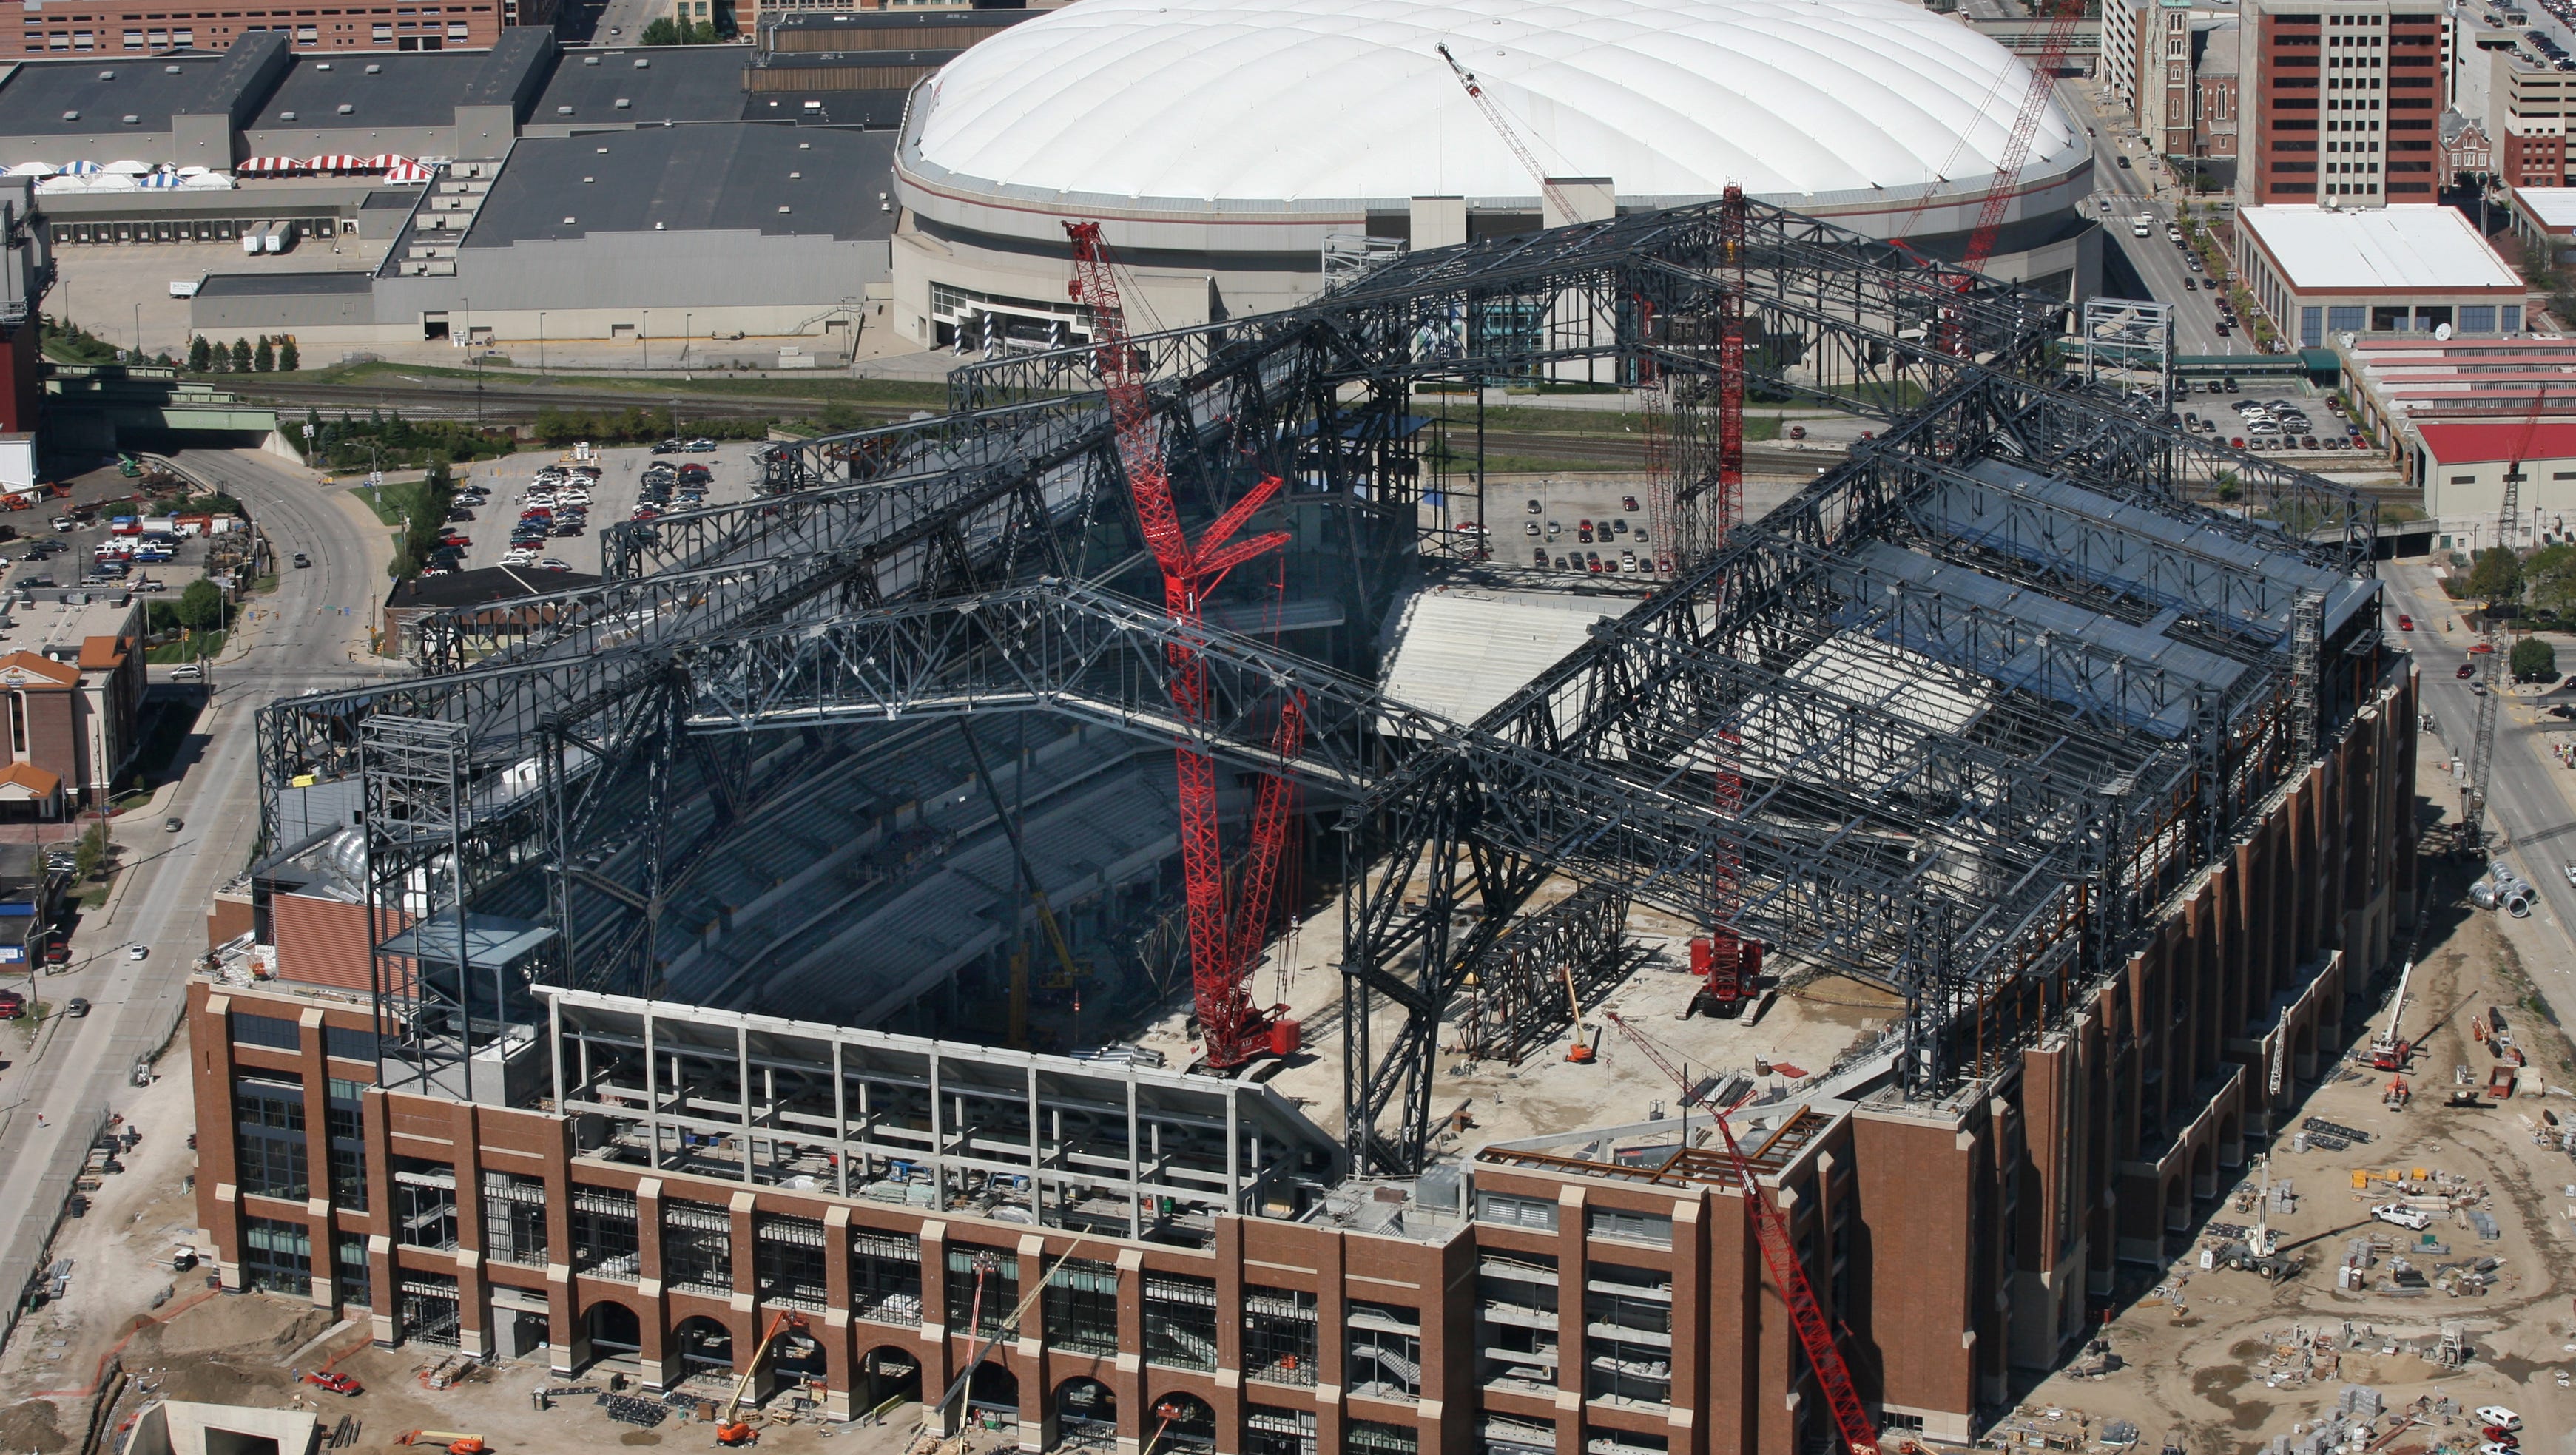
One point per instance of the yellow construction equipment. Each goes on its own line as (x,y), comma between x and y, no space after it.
(731,1430)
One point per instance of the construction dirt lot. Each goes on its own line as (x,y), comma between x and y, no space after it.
(2217,1360)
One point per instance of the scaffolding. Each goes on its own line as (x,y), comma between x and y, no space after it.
(1989,689)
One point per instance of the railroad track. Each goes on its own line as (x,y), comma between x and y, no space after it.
(516,401)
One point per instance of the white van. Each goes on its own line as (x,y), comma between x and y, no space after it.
(2144,226)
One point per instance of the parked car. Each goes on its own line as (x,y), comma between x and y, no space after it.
(698,446)
(2501,1418)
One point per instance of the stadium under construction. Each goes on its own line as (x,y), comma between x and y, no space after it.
(793,931)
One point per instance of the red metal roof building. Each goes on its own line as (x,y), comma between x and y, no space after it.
(2451,413)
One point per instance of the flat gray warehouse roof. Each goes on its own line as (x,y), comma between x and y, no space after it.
(104,91)
(283,285)
(875,110)
(784,181)
(674,83)
(382,88)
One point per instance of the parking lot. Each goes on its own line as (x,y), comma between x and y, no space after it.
(2301,419)
(47,561)
(612,497)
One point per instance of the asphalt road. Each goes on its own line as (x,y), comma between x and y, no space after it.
(78,1070)
(2528,816)
(2127,192)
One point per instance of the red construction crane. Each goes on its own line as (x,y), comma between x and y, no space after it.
(1221,946)
(1780,1255)
(2063,17)
(1511,138)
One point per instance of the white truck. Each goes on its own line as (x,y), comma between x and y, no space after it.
(2144,225)
(250,238)
(184,287)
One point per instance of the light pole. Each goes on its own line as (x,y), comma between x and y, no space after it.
(688,333)
(645,337)
(138,333)
(541,343)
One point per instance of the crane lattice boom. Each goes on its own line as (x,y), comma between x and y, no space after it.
(1218,954)
(1503,128)
(2054,43)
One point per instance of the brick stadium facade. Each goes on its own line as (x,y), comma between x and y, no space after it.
(1956,1242)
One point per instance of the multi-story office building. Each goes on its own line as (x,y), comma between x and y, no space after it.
(114,27)
(2339,102)
(2529,104)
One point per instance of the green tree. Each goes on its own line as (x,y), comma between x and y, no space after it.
(265,361)
(2497,578)
(91,855)
(241,356)
(201,606)
(2228,486)
(2549,580)
(288,360)
(201,354)
(2533,660)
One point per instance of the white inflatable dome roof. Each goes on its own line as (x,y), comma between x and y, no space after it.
(1313,100)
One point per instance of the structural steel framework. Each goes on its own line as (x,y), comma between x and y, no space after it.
(1993,686)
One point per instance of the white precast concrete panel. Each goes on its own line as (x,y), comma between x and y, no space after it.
(1310,100)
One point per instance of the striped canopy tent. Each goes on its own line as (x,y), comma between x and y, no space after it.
(386,161)
(259,166)
(404,170)
(337,162)
(34,169)
(81,168)
(160,181)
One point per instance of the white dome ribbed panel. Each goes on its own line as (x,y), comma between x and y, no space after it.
(1306,100)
